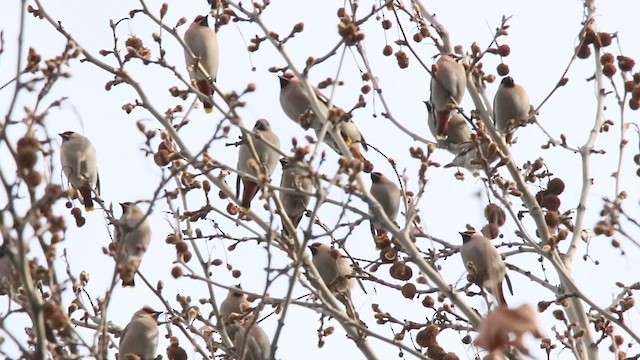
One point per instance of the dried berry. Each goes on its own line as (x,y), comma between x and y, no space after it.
(490,230)
(494,214)
(409,290)
(584,51)
(503,69)
(609,70)
(555,186)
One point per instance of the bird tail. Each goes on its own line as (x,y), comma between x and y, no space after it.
(206,87)
(87,199)
(442,124)
(248,193)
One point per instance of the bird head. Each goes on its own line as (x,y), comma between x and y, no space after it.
(508,82)
(67,135)
(375,177)
(262,125)
(202,20)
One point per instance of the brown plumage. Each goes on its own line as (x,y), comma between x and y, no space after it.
(79,165)
(265,164)
(296,176)
(483,261)
(203,43)
(448,86)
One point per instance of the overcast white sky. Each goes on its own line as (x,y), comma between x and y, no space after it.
(542,37)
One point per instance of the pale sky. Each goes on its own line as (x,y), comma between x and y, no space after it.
(542,38)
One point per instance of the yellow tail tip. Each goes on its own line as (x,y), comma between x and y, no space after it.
(244,209)
(442,137)
(348,141)
(90,208)
(208,110)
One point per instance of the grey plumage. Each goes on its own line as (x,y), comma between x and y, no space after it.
(140,336)
(79,165)
(203,43)
(458,130)
(250,340)
(333,268)
(266,162)
(297,107)
(448,86)
(133,236)
(511,106)
(234,303)
(296,177)
(387,193)
(482,260)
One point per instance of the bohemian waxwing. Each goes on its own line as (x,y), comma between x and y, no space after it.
(265,164)
(79,165)
(297,107)
(458,130)
(140,336)
(132,237)
(335,272)
(235,303)
(388,194)
(203,43)
(9,274)
(250,341)
(296,178)
(511,107)
(448,85)
(483,261)
(471,159)
(333,268)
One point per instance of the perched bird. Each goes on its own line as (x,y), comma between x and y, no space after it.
(132,238)
(458,131)
(483,261)
(475,157)
(297,107)
(335,272)
(235,302)
(511,107)
(265,164)
(250,341)
(203,43)
(334,269)
(140,336)
(296,178)
(9,274)
(388,194)
(448,85)
(79,165)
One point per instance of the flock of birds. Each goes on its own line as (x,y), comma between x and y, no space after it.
(260,156)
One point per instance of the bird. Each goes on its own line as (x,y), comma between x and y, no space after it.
(448,85)
(458,131)
(250,340)
(297,106)
(265,164)
(473,156)
(296,183)
(511,107)
(132,238)
(333,268)
(388,194)
(80,166)
(140,336)
(203,43)
(235,303)
(483,261)
(9,274)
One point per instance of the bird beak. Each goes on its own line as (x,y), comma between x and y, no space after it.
(63,136)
